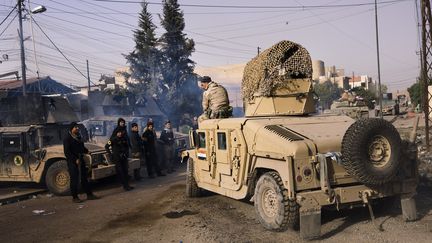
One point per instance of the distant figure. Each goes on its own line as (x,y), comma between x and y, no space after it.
(215,101)
(195,123)
(345,96)
(167,137)
(74,150)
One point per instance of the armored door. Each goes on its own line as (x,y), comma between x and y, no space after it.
(228,159)
(14,159)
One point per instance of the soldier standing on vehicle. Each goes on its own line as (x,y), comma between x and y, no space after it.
(119,155)
(167,137)
(215,101)
(74,149)
(137,149)
(149,139)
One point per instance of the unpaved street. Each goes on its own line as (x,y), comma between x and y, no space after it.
(158,211)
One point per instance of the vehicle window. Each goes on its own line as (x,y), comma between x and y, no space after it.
(201,140)
(12,143)
(221,138)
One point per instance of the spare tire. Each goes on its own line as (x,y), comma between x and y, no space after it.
(371,150)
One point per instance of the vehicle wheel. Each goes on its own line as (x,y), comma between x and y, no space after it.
(272,206)
(371,150)
(57,178)
(192,189)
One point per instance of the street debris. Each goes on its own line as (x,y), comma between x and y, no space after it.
(42,212)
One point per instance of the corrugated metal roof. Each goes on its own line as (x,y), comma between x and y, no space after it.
(44,85)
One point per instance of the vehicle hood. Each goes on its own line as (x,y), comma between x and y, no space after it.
(298,136)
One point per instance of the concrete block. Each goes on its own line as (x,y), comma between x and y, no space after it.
(409,210)
(310,224)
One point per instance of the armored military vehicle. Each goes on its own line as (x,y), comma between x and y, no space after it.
(31,141)
(290,163)
(355,110)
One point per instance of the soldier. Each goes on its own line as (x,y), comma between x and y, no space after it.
(167,137)
(121,123)
(137,149)
(119,155)
(74,149)
(215,100)
(149,139)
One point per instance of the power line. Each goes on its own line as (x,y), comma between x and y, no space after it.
(58,48)
(258,7)
(8,15)
(7,26)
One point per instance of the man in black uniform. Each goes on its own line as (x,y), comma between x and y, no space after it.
(121,124)
(74,149)
(137,149)
(149,139)
(120,153)
(167,137)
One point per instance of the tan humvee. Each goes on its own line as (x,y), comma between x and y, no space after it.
(291,164)
(35,154)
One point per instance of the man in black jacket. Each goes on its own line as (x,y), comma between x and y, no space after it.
(74,149)
(121,124)
(137,149)
(149,139)
(119,154)
(167,137)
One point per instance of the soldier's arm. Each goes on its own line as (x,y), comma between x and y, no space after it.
(205,101)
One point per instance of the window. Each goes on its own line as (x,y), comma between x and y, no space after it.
(12,143)
(201,140)
(221,138)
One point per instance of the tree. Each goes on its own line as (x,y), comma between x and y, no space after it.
(368,96)
(144,59)
(415,92)
(327,93)
(179,90)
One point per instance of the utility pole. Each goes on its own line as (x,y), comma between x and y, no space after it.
(378,60)
(23,66)
(426,63)
(88,77)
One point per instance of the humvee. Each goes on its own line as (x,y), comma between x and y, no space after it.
(292,164)
(357,110)
(34,153)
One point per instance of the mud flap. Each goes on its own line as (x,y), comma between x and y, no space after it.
(409,210)
(310,224)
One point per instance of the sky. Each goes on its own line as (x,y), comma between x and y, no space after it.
(226,33)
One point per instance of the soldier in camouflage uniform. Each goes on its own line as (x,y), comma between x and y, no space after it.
(215,100)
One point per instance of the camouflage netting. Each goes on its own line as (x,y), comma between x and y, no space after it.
(262,74)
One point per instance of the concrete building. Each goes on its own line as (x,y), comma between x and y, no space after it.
(318,69)
(362,81)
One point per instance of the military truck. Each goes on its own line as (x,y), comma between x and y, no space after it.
(34,153)
(356,110)
(389,107)
(292,164)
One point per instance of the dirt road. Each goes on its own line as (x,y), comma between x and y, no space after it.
(158,211)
